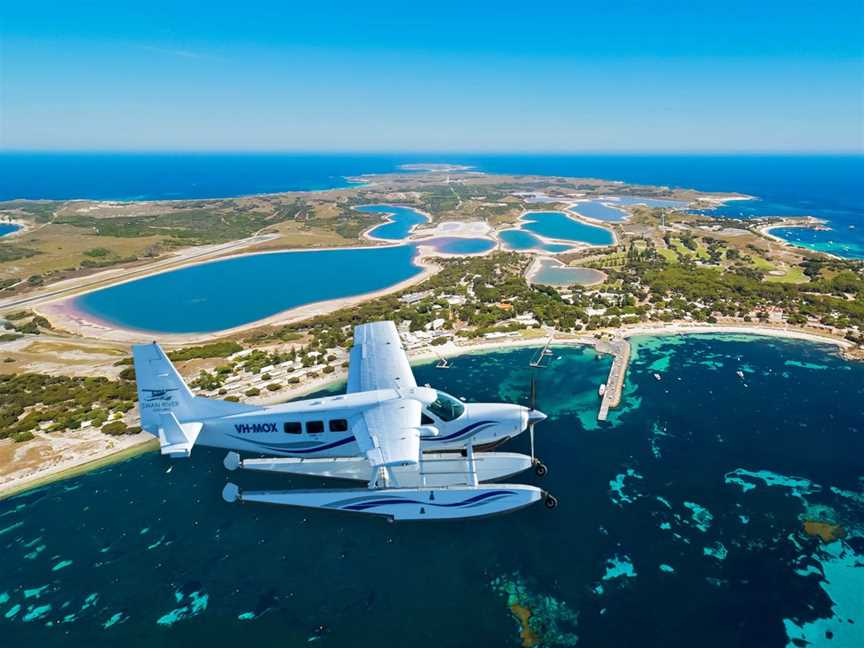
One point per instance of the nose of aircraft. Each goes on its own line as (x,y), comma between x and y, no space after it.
(536,416)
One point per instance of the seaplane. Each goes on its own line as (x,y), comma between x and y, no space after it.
(421,453)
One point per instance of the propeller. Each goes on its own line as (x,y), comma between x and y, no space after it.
(535,416)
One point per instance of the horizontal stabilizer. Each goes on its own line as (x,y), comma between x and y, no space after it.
(175,438)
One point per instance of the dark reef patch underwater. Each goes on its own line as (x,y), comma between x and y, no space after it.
(681,522)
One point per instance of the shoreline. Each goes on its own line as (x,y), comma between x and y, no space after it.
(388,218)
(579,218)
(794,223)
(419,356)
(537,263)
(66,317)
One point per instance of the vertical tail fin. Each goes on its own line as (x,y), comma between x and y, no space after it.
(161,390)
(168,409)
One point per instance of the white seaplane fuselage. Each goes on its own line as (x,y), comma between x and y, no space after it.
(322,427)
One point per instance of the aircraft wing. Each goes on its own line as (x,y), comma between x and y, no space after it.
(389,434)
(378,359)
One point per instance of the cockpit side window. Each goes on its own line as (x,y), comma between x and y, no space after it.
(446,407)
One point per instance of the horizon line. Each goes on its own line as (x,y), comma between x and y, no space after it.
(432,152)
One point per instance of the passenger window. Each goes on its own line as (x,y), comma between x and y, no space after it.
(425,419)
(292,427)
(314,427)
(338,425)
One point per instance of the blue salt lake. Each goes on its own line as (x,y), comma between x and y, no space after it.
(222,294)
(559,226)
(649,202)
(8,228)
(596,209)
(552,273)
(609,208)
(522,240)
(402,221)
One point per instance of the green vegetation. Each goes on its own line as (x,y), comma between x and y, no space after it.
(40,210)
(118,428)
(10,252)
(32,401)
(33,326)
(213,350)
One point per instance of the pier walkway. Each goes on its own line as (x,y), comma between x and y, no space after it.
(620,349)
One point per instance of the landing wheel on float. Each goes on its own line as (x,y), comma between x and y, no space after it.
(550,502)
(540,469)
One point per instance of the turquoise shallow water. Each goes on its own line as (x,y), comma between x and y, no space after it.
(403,220)
(8,228)
(679,524)
(557,225)
(831,241)
(222,294)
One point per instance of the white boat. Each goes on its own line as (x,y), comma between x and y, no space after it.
(740,374)
(602,389)
(657,376)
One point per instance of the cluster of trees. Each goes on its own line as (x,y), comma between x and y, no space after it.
(28,400)
(33,324)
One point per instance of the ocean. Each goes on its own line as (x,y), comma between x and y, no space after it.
(681,523)
(826,186)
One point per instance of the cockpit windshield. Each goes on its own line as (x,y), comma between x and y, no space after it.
(446,407)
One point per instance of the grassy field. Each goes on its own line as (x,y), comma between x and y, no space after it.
(62,247)
(794,275)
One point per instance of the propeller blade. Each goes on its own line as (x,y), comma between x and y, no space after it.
(533,392)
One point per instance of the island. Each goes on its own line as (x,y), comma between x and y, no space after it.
(461,260)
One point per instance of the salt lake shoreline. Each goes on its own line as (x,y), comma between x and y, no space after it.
(62,314)
(146,443)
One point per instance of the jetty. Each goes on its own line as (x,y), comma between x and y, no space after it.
(537,363)
(620,350)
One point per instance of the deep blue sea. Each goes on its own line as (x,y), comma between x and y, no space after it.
(680,524)
(820,185)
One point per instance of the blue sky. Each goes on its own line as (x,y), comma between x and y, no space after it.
(429,76)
